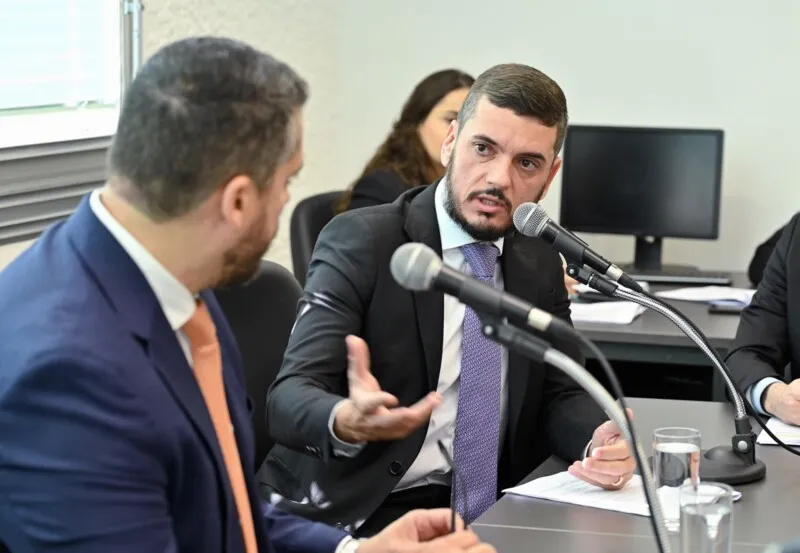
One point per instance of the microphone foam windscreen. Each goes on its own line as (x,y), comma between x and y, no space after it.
(530,219)
(414,266)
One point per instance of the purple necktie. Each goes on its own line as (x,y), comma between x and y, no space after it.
(477,437)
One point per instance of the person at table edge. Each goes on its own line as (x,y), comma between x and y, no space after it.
(768,337)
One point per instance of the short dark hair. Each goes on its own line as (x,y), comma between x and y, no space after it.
(524,90)
(200,112)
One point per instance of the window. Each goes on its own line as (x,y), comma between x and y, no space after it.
(61,76)
(61,73)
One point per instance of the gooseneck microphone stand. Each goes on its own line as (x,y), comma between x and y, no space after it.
(540,351)
(733,465)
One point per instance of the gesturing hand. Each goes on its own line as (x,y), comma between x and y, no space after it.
(610,464)
(425,532)
(370,414)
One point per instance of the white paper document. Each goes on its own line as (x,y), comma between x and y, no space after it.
(614,312)
(565,488)
(706,294)
(790,435)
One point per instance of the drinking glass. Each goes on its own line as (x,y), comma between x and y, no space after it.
(706,517)
(676,460)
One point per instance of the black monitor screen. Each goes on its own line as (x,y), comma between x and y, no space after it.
(642,182)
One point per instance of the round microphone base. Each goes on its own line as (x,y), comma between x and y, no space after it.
(723,464)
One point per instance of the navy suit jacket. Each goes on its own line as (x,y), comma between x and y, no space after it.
(106,444)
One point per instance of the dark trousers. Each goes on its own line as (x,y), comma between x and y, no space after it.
(402,502)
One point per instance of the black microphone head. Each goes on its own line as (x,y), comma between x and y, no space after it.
(414,266)
(530,219)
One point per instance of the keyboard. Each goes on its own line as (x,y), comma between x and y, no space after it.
(682,276)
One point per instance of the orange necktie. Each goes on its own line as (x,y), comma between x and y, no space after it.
(207,362)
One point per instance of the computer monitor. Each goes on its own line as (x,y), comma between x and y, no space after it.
(650,183)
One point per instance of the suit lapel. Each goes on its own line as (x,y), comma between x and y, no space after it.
(240,417)
(139,311)
(421,226)
(168,358)
(519,275)
(233,374)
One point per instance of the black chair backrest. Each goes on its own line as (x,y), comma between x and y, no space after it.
(308,219)
(261,314)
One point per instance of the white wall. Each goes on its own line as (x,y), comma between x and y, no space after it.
(702,63)
(730,65)
(301,33)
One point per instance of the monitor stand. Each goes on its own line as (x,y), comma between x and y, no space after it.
(647,267)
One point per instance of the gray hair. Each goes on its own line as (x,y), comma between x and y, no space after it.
(200,112)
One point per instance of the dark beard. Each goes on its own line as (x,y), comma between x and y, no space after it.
(453,209)
(242,264)
(481,234)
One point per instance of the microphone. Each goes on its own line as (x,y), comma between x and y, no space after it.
(417,267)
(531,219)
(733,465)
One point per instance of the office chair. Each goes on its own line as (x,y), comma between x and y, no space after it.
(261,314)
(308,220)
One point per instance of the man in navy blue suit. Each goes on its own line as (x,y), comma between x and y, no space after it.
(113,440)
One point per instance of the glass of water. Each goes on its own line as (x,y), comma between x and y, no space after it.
(676,460)
(706,517)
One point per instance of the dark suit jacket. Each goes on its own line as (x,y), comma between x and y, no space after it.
(547,413)
(760,258)
(380,187)
(768,337)
(107,444)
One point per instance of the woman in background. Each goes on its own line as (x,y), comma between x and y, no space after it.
(410,155)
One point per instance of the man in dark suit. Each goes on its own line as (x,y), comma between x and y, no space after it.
(755,269)
(768,338)
(122,404)
(360,438)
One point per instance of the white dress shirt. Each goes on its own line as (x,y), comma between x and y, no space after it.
(175,299)
(430,467)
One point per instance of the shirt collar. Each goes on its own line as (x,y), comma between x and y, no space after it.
(450,233)
(175,299)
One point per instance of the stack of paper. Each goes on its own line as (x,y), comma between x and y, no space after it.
(565,488)
(788,434)
(614,312)
(705,294)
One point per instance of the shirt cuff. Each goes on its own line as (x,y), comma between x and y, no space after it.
(755,392)
(348,545)
(340,448)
